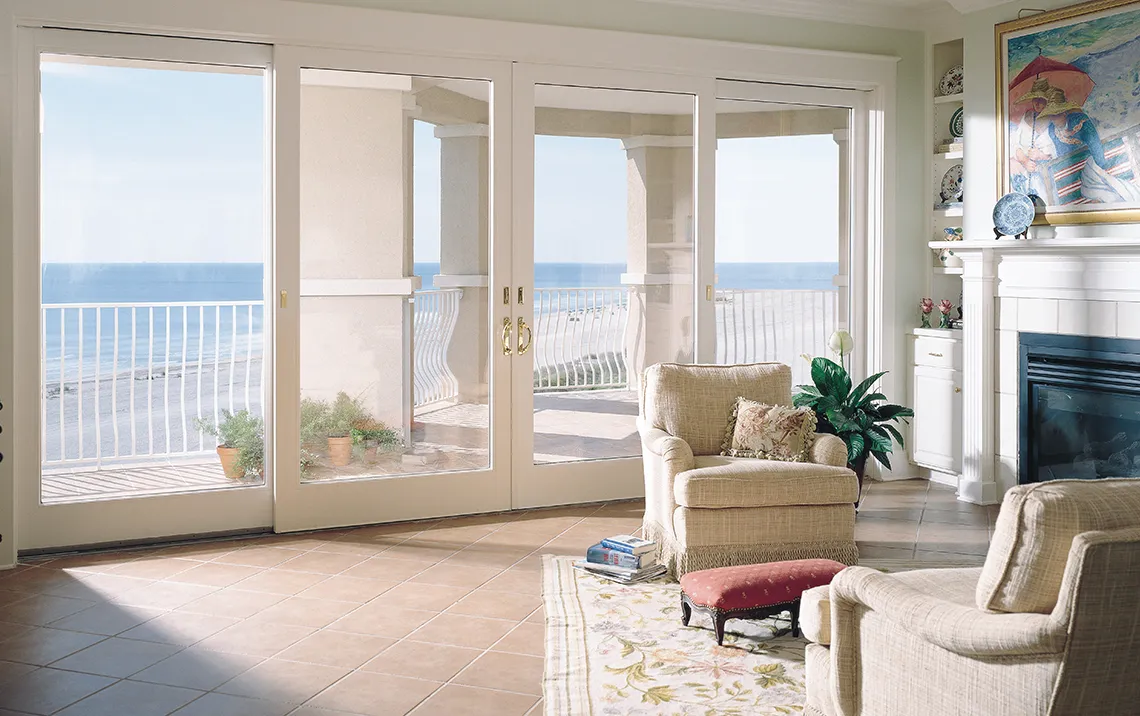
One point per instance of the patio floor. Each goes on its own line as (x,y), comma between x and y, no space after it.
(585,425)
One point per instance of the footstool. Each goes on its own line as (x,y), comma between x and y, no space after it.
(753,591)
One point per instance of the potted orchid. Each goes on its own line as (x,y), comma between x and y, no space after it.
(860,416)
(927,307)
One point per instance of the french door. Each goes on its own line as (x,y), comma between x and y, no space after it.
(143,244)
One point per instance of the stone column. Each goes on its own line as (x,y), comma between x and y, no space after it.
(464,245)
(661,259)
(355,248)
(979,281)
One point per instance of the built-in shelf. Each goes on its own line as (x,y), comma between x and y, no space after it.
(948,213)
(946,271)
(949,155)
(948,98)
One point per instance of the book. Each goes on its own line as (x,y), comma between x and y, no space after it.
(600,554)
(619,574)
(629,544)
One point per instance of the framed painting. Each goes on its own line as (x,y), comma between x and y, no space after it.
(1069,111)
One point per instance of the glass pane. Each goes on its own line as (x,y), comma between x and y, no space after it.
(153,236)
(394,270)
(613,261)
(782,228)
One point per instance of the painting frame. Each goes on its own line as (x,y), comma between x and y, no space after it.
(1063,18)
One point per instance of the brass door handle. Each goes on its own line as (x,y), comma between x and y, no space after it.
(507,335)
(523,348)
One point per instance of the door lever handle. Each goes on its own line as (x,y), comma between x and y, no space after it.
(506,338)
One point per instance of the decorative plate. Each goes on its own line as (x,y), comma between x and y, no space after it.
(1013,214)
(951,82)
(957,123)
(951,189)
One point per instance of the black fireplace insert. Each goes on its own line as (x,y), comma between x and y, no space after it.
(1079,410)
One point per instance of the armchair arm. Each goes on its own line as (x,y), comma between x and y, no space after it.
(828,450)
(962,630)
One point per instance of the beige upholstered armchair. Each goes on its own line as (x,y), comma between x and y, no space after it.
(1050,626)
(706,510)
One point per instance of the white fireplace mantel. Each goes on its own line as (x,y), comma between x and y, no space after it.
(1071,272)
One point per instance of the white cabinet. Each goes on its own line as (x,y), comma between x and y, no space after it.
(936,431)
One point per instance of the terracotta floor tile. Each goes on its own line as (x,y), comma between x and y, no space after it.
(526,638)
(456,700)
(496,605)
(509,672)
(256,638)
(232,602)
(226,705)
(163,595)
(422,661)
(455,630)
(389,570)
(375,694)
(116,657)
(301,611)
(213,574)
(348,589)
(322,562)
(279,581)
(337,648)
(107,619)
(261,556)
(287,681)
(379,619)
(134,698)
(433,597)
(181,628)
(43,609)
(197,668)
(45,691)
(42,646)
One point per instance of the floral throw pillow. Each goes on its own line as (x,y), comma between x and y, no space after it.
(769,432)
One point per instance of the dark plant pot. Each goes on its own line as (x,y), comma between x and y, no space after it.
(858,467)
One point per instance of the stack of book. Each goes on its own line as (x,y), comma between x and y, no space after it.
(623,558)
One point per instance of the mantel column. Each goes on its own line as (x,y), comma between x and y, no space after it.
(979,281)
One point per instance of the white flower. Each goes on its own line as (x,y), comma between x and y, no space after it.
(841,343)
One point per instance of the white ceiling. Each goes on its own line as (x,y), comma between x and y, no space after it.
(884,13)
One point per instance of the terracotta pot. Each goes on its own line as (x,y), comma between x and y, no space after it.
(229,457)
(340,451)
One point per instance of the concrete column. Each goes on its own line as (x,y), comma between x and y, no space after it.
(661,257)
(464,245)
(355,248)
(842,280)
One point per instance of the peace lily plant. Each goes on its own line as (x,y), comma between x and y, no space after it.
(862,418)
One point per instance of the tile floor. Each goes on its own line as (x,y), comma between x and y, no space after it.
(435,617)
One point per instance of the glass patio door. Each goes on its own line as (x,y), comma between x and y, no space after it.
(143,252)
(392,228)
(606,201)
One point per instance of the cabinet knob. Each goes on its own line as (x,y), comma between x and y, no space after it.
(957,389)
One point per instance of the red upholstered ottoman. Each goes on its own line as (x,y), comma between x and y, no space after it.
(753,591)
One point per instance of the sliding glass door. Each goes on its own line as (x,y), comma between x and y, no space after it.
(152,236)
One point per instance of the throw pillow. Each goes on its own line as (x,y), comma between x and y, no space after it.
(769,432)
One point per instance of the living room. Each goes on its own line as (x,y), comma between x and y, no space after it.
(630,356)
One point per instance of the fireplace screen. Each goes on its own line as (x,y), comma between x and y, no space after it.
(1084,434)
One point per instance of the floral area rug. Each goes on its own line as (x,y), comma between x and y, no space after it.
(614,649)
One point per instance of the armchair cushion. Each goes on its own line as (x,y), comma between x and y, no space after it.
(769,432)
(720,482)
(1033,534)
(693,402)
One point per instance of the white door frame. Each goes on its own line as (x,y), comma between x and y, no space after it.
(113,520)
(336,503)
(592,480)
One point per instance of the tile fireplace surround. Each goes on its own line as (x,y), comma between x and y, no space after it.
(1069,286)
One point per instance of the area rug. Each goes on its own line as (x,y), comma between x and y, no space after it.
(614,649)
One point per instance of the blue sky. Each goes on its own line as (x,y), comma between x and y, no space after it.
(168,166)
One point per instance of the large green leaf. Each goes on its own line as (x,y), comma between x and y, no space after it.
(830,378)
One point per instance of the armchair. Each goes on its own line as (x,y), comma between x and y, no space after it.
(705,510)
(1050,625)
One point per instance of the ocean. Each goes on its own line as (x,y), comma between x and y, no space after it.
(225,318)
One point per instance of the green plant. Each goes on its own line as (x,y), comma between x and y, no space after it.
(863,419)
(241,430)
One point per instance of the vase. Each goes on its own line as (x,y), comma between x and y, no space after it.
(944,322)
(925,321)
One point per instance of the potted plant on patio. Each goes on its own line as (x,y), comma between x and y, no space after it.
(862,418)
(241,442)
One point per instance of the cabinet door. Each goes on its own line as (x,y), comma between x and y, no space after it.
(936,438)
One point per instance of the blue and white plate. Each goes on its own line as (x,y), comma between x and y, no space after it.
(1013,214)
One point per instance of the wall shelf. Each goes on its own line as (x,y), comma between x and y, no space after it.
(948,98)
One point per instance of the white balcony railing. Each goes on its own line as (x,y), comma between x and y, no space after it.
(125,381)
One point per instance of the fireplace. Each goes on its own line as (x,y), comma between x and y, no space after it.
(1079,407)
